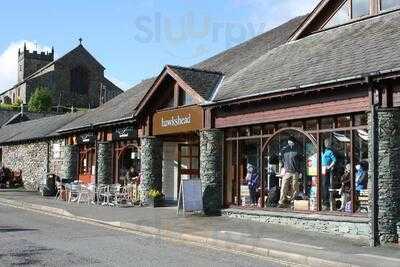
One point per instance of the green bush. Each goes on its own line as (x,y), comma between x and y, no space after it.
(9,107)
(40,101)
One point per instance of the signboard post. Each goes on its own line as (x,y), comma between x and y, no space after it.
(190,197)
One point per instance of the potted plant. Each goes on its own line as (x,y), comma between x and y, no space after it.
(156,198)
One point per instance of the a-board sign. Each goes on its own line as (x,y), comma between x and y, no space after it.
(190,196)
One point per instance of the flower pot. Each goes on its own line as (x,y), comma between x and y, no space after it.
(156,202)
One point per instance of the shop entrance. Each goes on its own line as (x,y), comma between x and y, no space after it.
(181,161)
(87,164)
(188,162)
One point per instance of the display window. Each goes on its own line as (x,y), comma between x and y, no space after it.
(317,165)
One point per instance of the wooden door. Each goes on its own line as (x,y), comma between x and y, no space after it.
(188,162)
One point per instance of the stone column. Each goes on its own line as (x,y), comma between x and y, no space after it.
(388,171)
(151,166)
(69,166)
(104,163)
(211,150)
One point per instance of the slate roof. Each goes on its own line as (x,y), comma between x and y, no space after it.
(236,58)
(121,107)
(356,49)
(36,129)
(8,116)
(202,81)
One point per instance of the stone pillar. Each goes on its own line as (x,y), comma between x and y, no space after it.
(211,150)
(69,166)
(104,163)
(388,170)
(151,166)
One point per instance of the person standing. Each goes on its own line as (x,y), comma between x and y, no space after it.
(290,158)
(328,163)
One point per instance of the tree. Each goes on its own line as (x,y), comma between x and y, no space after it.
(40,101)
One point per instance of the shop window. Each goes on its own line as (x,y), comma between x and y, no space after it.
(249,172)
(327,123)
(291,173)
(244,131)
(269,129)
(283,125)
(343,122)
(361,171)
(256,130)
(360,8)
(336,170)
(311,125)
(297,124)
(389,4)
(360,119)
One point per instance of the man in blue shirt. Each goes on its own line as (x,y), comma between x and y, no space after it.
(328,161)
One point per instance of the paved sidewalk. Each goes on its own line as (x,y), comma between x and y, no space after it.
(283,241)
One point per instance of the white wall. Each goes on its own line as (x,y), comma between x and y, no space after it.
(170,171)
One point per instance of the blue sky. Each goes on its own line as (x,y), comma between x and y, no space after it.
(135,39)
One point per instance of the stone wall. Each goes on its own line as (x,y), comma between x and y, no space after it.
(211,174)
(352,227)
(69,162)
(104,163)
(388,161)
(151,166)
(31,159)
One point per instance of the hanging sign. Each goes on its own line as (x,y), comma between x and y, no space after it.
(190,197)
(124,133)
(86,138)
(178,120)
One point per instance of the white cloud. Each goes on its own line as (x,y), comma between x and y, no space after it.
(9,61)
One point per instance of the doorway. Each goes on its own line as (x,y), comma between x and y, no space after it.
(188,162)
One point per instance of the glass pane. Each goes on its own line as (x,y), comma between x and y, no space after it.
(256,130)
(327,123)
(244,131)
(297,124)
(283,125)
(291,173)
(388,4)
(335,161)
(360,8)
(185,163)
(269,129)
(195,163)
(249,172)
(311,125)
(343,122)
(341,16)
(184,151)
(360,120)
(195,151)
(361,170)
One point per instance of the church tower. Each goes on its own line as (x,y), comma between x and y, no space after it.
(29,62)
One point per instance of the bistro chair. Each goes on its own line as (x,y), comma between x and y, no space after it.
(104,195)
(87,194)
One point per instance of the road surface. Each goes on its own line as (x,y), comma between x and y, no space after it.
(34,239)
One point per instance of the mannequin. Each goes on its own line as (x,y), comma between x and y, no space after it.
(253,181)
(328,162)
(290,158)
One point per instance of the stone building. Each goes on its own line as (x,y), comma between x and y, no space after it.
(325,84)
(74,80)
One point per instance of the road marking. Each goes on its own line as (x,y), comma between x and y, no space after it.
(116,228)
(293,243)
(379,257)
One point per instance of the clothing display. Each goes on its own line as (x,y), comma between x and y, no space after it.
(253,182)
(290,158)
(346,187)
(328,160)
(361,178)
